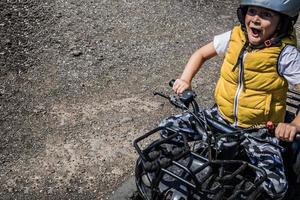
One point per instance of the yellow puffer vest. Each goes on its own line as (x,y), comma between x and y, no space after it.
(252,92)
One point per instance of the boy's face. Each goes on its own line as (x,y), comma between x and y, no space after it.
(261,24)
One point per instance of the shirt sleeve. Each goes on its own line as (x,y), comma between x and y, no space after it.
(289,64)
(221,42)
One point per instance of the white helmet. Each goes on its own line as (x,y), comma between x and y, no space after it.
(290,8)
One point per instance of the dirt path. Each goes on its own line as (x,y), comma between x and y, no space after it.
(77,82)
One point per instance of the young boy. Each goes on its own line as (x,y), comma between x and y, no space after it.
(260,61)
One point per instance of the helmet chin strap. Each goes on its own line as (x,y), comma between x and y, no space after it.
(268,43)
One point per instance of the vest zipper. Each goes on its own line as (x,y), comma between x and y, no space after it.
(240,84)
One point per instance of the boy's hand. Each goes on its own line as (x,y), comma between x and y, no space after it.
(286,132)
(180,86)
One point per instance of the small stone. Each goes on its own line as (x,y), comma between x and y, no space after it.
(225,16)
(59,15)
(117,171)
(161,104)
(50,190)
(8,42)
(76,53)
(26,190)
(35,111)
(101,58)
(126,119)
(2,91)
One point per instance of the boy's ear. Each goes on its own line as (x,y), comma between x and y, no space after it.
(279,26)
(285,26)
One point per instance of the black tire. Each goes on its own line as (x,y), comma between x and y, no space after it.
(143,189)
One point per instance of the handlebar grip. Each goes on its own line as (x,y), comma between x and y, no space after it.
(297,136)
(171,83)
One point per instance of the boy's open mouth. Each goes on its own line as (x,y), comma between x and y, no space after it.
(255,32)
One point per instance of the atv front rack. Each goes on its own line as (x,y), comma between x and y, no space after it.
(169,169)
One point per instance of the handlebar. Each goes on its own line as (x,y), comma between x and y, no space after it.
(297,137)
(171,82)
(187,97)
(271,127)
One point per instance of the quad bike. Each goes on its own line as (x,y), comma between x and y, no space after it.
(204,162)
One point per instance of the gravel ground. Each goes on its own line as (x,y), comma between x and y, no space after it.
(77,79)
